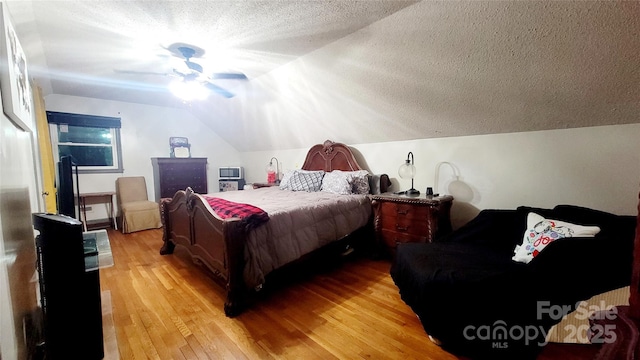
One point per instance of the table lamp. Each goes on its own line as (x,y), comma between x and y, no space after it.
(272,172)
(408,170)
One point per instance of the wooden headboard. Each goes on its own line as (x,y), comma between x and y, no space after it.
(330,156)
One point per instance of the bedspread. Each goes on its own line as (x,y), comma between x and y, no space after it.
(299,222)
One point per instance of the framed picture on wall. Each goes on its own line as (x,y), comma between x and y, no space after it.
(17,100)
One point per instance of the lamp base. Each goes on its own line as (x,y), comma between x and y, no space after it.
(412,192)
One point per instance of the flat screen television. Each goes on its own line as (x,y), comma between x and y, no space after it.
(70,295)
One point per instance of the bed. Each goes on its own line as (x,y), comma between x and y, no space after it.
(242,252)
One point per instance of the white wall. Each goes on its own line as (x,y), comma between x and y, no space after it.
(597,167)
(145,134)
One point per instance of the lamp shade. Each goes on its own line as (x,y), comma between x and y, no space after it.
(407,170)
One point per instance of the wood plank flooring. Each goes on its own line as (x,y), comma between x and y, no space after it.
(167,307)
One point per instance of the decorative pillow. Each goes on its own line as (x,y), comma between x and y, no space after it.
(306,181)
(360,182)
(337,182)
(286,179)
(285,183)
(541,232)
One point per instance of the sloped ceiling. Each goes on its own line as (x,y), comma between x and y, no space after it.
(352,71)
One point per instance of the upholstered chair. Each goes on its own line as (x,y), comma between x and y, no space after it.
(135,209)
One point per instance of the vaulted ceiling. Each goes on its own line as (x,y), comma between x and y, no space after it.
(355,71)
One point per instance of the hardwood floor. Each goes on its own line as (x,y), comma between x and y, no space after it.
(166,307)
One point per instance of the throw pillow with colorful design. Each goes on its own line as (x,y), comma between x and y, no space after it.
(541,232)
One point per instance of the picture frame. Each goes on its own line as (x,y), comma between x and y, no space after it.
(17,98)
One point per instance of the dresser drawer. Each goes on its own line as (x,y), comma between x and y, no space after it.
(408,211)
(392,238)
(405,225)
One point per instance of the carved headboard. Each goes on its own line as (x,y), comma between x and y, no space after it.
(330,156)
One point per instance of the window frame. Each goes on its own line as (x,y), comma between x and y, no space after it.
(56,119)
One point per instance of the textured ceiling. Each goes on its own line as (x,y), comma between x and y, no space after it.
(352,71)
(83,47)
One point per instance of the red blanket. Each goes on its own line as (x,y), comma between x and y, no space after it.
(251,215)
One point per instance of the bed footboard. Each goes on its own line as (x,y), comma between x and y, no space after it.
(210,241)
(175,222)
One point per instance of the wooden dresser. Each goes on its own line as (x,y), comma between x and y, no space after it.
(401,218)
(173,174)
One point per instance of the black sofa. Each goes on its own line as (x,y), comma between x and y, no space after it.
(473,299)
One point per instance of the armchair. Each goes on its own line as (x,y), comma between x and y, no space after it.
(135,209)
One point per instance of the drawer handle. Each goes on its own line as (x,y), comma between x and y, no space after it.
(403,212)
(402,228)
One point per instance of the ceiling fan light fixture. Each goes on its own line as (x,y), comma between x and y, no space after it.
(189,90)
(191,83)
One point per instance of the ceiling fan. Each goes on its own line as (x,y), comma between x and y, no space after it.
(191,72)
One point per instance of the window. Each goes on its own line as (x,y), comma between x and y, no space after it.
(93,142)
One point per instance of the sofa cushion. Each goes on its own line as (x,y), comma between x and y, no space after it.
(611,225)
(450,263)
(498,230)
(584,215)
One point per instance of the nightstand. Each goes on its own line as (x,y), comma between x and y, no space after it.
(401,218)
(261,185)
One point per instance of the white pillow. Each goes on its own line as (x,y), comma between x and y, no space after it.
(541,232)
(286,179)
(346,182)
(337,182)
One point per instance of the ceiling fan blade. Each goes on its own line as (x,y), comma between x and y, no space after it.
(218,89)
(193,66)
(187,76)
(238,76)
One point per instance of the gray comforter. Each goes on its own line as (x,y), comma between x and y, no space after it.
(299,222)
